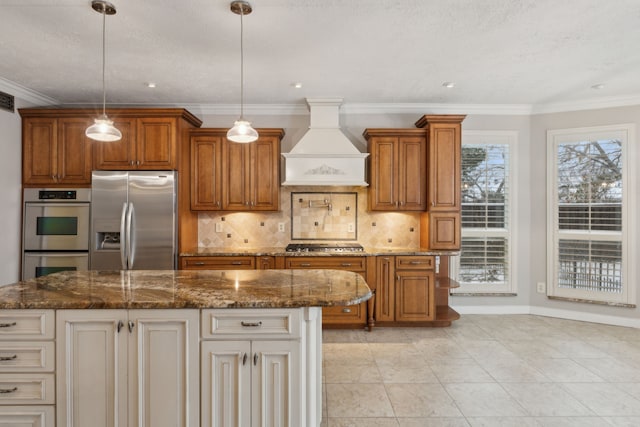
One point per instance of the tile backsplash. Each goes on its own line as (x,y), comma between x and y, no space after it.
(325,215)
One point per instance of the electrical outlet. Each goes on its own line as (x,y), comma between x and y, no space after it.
(281,227)
(218,227)
(541,287)
(351,227)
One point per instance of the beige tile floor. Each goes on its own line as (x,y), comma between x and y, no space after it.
(484,370)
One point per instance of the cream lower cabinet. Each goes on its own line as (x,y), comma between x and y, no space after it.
(269,378)
(27,365)
(127,368)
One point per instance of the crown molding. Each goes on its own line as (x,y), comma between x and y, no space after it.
(427,108)
(589,104)
(26,94)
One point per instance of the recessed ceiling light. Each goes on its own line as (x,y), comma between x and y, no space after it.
(598,86)
(449,85)
(297,85)
(151,84)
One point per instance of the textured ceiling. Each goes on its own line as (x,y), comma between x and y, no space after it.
(532,52)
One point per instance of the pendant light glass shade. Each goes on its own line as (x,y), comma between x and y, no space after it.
(241,131)
(103,129)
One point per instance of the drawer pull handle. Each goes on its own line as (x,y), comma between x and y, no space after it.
(8,390)
(255,359)
(7,325)
(236,262)
(7,358)
(131,325)
(198,263)
(346,264)
(418,262)
(346,310)
(305,264)
(120,325)
(244,359)
(251,324)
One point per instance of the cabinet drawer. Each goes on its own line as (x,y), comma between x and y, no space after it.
(218,263)
(25,389)
(27,416)
(26,324)
(37,356)
(338,263)
(258,323)
(415,262)
(344,314)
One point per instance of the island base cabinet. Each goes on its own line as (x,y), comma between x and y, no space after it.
(251,383)
(127,368)
(27,416)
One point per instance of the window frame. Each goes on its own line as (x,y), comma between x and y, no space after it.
(494,137)
(626,134)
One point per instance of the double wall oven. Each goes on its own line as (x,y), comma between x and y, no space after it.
(55,231)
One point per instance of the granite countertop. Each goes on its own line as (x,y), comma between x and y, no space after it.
(280,251)
(186,289)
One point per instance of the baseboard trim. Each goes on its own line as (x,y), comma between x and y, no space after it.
(549,312)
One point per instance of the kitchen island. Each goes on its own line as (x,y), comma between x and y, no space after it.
(168,348)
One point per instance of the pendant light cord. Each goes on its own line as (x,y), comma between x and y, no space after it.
(104,91)
(241,64)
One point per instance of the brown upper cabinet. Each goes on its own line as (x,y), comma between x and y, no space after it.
(236,177)
(397,169)
(440,226)
(147,143)
(55,151)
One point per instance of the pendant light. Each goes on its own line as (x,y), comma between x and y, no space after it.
(103,129)
(241,130)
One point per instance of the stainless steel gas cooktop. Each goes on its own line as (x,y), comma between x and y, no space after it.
(324,247)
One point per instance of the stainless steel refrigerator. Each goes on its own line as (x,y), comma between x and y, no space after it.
(133,220)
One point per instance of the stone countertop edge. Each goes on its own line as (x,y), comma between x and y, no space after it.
(181,289)
(278,251)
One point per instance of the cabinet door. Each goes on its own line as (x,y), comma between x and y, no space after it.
(236,191)
(226,383)
(39,150)
(444,230)
(265,262)
(411,172)
(385,289)
(275,385)
(382,180)
(91,368)
(117,155)
(156,143)
(414,297)
(164,368)
(444,167)
(74,152)
(265,179)
(206,172)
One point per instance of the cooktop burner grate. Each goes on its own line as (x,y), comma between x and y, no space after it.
(324,247)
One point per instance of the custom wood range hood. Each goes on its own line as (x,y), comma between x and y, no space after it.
(324,155)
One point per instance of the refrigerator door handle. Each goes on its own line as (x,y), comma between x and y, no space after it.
(124,241)
(131,235)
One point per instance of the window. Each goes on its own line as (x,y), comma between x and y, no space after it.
(588,203)
(484,266)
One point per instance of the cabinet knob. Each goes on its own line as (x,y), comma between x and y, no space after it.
(131,325)
(255,359)
(120,325)
(138,163)
(132,163)
(244,359)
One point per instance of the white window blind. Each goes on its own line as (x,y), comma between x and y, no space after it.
(587,214)
(484,265)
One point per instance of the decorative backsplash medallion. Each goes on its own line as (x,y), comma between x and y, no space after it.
(324,216)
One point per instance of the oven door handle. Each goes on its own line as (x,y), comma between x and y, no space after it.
(123,237)
(131,235)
